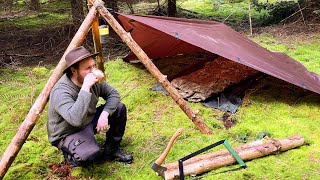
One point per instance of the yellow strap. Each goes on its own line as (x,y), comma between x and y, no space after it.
(104,31)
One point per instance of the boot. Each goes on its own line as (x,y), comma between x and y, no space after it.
(74,163)
(112,152)
(70,159)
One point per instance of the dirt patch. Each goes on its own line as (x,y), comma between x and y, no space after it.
(291,33)
(63,170)
(20,47)
(228,121)
(33,47)
(34,139)
(181,65)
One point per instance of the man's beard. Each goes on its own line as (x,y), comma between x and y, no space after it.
(80,79)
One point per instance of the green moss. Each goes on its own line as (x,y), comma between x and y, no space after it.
(41,20)
(275,107)
(55,13)
(153,118)
(305,53)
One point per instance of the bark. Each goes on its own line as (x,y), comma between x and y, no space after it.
(77,12)
(136,49)
(97,41)
(37,108)
(215,160)
(35,5)
(172,8)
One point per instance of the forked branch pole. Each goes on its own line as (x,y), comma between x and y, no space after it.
(34,113)
(136,49)
(97,43)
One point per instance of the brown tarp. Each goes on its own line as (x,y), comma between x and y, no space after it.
(165,36)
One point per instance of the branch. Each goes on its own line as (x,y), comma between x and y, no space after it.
(23,55)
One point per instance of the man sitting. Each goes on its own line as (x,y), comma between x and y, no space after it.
(73,118)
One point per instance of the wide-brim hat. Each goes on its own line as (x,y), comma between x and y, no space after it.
(77,54)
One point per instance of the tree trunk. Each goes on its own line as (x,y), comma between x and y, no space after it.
(204,163)
(162,79)
(35,5)
(172,8)
(27,125)
(113,4)
(77,12)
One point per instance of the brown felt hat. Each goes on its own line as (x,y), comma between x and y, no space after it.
(77,54)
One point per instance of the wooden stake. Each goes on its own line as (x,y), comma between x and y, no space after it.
(304,22)
(250,21)
(96,41)
(136,49)
(215,160)
(37,108)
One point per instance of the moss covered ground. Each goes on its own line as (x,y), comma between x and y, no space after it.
(272,106)
(278,108)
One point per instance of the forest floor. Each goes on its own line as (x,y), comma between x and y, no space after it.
(149,112)
(21,47)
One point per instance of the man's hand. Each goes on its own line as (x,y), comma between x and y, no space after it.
(103,121)
(89,81)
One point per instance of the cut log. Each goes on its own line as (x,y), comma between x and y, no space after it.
(215,160)
(34,113)
(162,79)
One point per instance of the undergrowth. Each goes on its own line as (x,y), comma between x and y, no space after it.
(273,106)
(55,13)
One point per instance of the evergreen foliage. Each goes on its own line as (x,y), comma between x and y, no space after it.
(277,11)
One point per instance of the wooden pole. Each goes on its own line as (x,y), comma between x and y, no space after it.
(37,108)
(204,163)
(96,40)
(304,22)
(250,20)
(136,49)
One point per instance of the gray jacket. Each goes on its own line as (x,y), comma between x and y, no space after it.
(71,109)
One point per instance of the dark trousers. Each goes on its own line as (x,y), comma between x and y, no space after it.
(82,148)
(117,124)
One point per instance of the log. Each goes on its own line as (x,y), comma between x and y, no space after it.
(37,108)
(162,79)
(204,163)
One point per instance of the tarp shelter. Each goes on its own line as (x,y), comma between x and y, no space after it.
(165,36)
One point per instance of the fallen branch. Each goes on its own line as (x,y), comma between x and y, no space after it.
(304,22)
(23,55)
(300,10)
(189,11)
